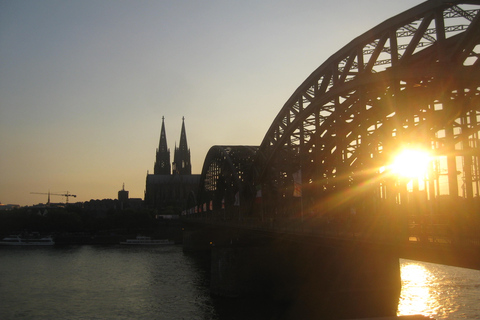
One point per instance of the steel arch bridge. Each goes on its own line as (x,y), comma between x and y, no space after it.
(413,81)
(225,176)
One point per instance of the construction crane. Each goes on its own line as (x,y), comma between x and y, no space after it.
(66,195)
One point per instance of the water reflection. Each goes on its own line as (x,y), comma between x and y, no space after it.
(416,296)
(437,291)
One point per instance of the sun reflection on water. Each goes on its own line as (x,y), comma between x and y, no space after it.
(439,291)
(417,296)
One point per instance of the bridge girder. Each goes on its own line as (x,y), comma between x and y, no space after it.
(224,176)
(412,80)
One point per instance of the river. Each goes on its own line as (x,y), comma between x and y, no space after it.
(116,282)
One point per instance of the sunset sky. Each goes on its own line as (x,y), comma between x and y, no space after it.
(84,83)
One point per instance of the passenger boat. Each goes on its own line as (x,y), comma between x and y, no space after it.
(28,240)
(142,240)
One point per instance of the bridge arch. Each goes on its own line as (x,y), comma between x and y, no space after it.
(224,178)
(413,80)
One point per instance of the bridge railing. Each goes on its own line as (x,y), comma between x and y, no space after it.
(312,226)
(426,231)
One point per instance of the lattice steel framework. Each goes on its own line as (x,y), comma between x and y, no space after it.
(412,80)
(223,181)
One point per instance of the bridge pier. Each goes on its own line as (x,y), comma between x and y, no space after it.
(350,281)
(196,239)
(241,271)
(314,278)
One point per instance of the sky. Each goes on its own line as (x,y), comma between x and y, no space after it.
(84,83)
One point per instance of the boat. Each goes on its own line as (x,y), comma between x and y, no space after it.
(143,240)
(27,240)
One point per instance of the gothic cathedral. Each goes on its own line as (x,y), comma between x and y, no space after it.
(171,189)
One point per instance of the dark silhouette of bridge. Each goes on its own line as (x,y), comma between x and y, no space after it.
(323,173)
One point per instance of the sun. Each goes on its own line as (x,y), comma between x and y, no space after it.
(411,163)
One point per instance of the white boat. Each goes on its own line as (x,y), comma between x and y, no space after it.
(18,240)
(142,240)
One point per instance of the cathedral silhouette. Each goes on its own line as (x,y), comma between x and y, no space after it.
(171,189)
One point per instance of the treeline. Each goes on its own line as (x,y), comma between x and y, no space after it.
(75,219)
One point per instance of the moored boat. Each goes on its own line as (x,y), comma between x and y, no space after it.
(27,240)
(143,240)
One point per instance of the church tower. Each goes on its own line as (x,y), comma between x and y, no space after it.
(181,159)
(172,188)
(162,160)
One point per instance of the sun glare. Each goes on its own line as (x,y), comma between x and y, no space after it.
(411,164)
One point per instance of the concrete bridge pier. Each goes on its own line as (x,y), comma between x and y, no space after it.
(196,239)
(314,281)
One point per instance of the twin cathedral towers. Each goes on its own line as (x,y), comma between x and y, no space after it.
(181,159)
(171,188)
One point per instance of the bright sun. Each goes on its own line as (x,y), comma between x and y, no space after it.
(411,163)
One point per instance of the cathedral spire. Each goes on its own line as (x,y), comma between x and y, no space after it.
(162,160)
(162,146)
(181,159)
(183,137)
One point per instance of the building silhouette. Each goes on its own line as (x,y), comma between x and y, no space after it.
(181,159)
(162,159)
(171,189)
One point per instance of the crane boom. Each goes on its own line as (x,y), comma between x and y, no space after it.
(66,195)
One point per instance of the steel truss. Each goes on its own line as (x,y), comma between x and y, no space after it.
(224,182)
(413,80)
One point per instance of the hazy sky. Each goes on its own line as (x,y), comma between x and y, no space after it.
(84,83)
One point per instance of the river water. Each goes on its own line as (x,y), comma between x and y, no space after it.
(116,282)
